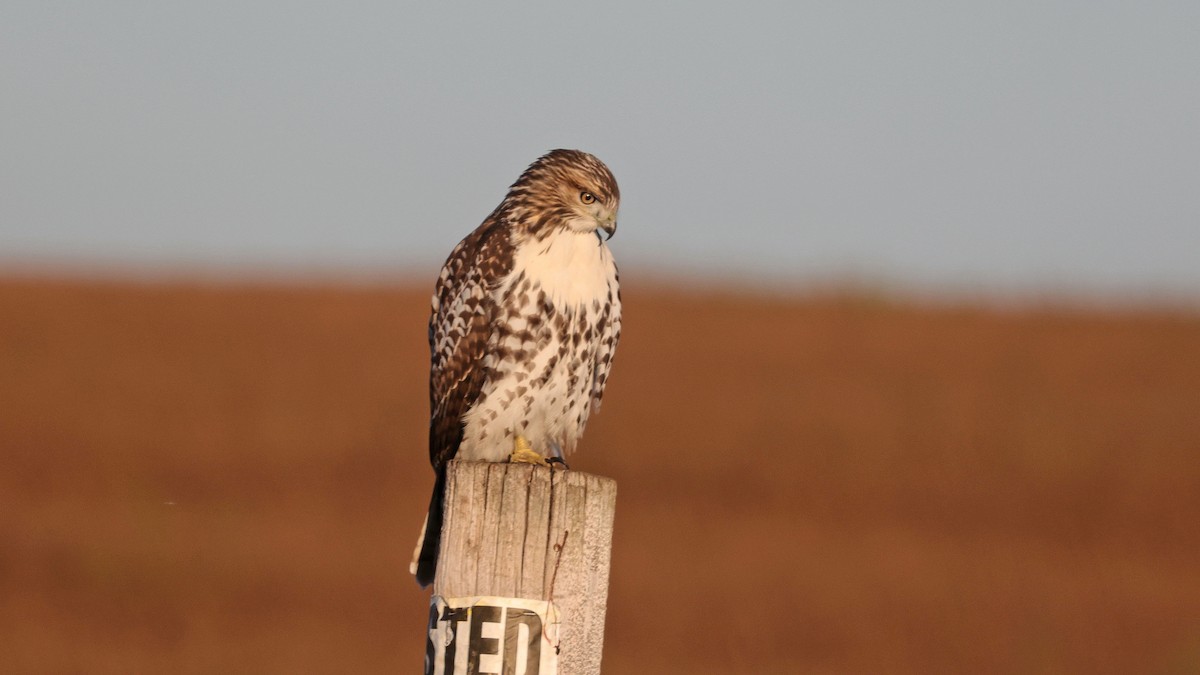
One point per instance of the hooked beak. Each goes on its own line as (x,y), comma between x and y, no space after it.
(609,226)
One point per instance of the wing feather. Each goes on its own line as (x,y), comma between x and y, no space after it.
(609,332)
(460,327)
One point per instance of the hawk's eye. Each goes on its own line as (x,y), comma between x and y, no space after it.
(587,197)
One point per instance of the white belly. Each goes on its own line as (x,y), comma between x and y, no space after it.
(543,350)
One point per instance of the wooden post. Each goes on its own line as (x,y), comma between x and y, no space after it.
(531,540)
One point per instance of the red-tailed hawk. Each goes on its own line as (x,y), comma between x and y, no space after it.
(526,319)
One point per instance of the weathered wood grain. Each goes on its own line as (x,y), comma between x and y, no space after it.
(524,531)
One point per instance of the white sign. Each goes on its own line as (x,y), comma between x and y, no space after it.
(484,634)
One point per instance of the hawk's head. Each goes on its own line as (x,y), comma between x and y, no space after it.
(565,189)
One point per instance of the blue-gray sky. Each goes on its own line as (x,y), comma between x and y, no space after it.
(1003,145)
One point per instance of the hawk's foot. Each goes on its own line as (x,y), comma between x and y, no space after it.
(523,454)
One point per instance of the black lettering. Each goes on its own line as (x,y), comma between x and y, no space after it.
(452,615)
(430,648)
(512,641)
(480,645)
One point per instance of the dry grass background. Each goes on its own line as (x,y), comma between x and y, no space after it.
(231,479)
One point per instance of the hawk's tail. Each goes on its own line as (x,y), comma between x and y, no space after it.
(424,564)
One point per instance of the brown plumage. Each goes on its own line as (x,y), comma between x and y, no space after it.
(526,319)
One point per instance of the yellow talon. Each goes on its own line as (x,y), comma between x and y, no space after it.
(523,454)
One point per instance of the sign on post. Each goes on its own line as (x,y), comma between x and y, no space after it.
(507,636)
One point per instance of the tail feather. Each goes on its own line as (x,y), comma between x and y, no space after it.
(424,564)
(412,566)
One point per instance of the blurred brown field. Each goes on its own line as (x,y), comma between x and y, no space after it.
(231,479)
